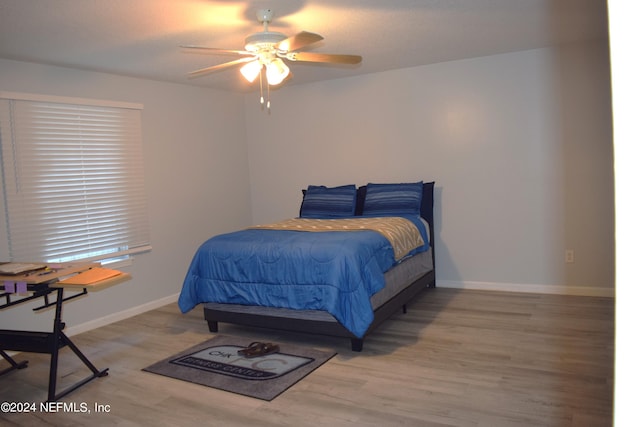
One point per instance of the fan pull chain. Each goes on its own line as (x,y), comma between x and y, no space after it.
(261,97)
(263,71)
(268,98)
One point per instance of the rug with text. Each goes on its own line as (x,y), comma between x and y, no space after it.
(216,363)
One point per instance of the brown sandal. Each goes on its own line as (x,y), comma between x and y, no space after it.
(257,349)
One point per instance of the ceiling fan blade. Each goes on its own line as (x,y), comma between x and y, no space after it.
(213,50)
(324,57)
(298,41)
(203,71)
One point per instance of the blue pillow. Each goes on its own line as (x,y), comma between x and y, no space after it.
(393,199)
(322,202)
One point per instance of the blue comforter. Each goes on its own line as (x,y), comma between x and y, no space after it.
(333,271)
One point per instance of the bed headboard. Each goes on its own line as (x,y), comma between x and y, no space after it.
(426,209)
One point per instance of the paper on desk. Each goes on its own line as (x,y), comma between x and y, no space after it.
(90,276)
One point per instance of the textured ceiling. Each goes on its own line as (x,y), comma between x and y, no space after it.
(141,38)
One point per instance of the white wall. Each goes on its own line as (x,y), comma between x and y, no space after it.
(519,145)
(196,173)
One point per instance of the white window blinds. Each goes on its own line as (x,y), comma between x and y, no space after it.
(72,176)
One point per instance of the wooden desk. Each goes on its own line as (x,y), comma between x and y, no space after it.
(45,284)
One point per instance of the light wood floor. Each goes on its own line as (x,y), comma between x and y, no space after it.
(457,358)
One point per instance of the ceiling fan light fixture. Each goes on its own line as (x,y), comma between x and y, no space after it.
(277,71)
(265,40)
(261,57)
(251,70)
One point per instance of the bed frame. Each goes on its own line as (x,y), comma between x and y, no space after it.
(271,320)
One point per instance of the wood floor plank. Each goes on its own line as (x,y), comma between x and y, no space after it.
(457,358)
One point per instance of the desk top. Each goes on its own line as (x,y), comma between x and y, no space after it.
(94,286)
(82,277)
(55,274)
(51,273)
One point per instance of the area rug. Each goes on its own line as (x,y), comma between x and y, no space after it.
(216,363)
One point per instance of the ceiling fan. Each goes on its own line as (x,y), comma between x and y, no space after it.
(264,52)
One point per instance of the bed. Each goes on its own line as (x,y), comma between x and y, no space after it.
(352,258)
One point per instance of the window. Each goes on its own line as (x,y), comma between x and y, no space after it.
(72,178)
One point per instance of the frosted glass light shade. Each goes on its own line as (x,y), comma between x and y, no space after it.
(251,70)
(277,71)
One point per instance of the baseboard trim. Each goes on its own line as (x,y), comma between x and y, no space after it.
(121,315)
(529,288)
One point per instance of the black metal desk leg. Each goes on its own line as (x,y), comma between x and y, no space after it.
(12,362)
(60,339)
(55,345)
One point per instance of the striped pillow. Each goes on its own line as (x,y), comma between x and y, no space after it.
(322,202)
(393,199)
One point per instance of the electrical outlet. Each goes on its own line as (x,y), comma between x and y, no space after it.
(568,256)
